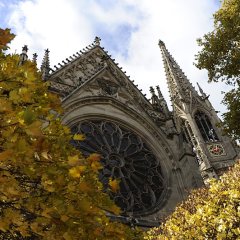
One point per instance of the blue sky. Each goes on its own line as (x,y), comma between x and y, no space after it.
(129,29)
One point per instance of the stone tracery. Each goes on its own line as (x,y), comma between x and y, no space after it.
(125,156)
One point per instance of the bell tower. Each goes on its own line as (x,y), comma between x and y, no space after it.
(197,120)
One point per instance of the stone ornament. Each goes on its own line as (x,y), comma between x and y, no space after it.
(107,86)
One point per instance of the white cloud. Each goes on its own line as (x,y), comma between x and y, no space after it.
(66,26)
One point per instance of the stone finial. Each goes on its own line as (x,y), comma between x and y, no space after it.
(97,41)
(34,59)
(23,55)
(25,48)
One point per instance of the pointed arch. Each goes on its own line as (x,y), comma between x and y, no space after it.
(205,127)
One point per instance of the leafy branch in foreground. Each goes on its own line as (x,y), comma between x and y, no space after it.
(48,189)
(208,213)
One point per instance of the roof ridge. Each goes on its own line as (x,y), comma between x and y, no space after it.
(124,73)
(73,58)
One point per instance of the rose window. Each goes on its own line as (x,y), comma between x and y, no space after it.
(126,157)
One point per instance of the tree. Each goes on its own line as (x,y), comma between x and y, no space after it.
(208,213)
(220,56)
(48,189)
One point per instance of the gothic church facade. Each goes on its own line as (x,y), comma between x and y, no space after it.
(157,154)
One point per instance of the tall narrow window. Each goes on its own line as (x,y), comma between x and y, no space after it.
(205,127)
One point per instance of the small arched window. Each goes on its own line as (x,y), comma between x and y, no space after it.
(205,127)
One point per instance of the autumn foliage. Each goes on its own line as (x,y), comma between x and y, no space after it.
(220,56)
(48,189)
(208,213)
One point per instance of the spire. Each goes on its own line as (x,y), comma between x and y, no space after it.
(180,87)
(23,55)
(45,67)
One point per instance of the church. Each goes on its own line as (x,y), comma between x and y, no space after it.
(158,155)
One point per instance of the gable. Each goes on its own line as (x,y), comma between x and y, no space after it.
(94,73)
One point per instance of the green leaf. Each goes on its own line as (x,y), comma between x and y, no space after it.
(29,116)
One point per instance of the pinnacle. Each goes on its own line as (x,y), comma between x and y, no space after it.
(25,48)
(35,57)
(152,90)
(161,43)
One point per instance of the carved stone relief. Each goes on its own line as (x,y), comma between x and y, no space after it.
(156,116)
(81,70)
(107,87)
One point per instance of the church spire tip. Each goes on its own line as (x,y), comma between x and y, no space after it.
(178,84)
(161,43)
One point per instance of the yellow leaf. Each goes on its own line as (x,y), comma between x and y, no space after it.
(13,96)
(23,90)
(76,172)
(96,166)
(48,185)
(14,138)
(78,137)
(73,160)
(45,155)
(114,185)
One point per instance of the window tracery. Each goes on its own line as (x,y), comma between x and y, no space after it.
(205,127)
(125,156)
